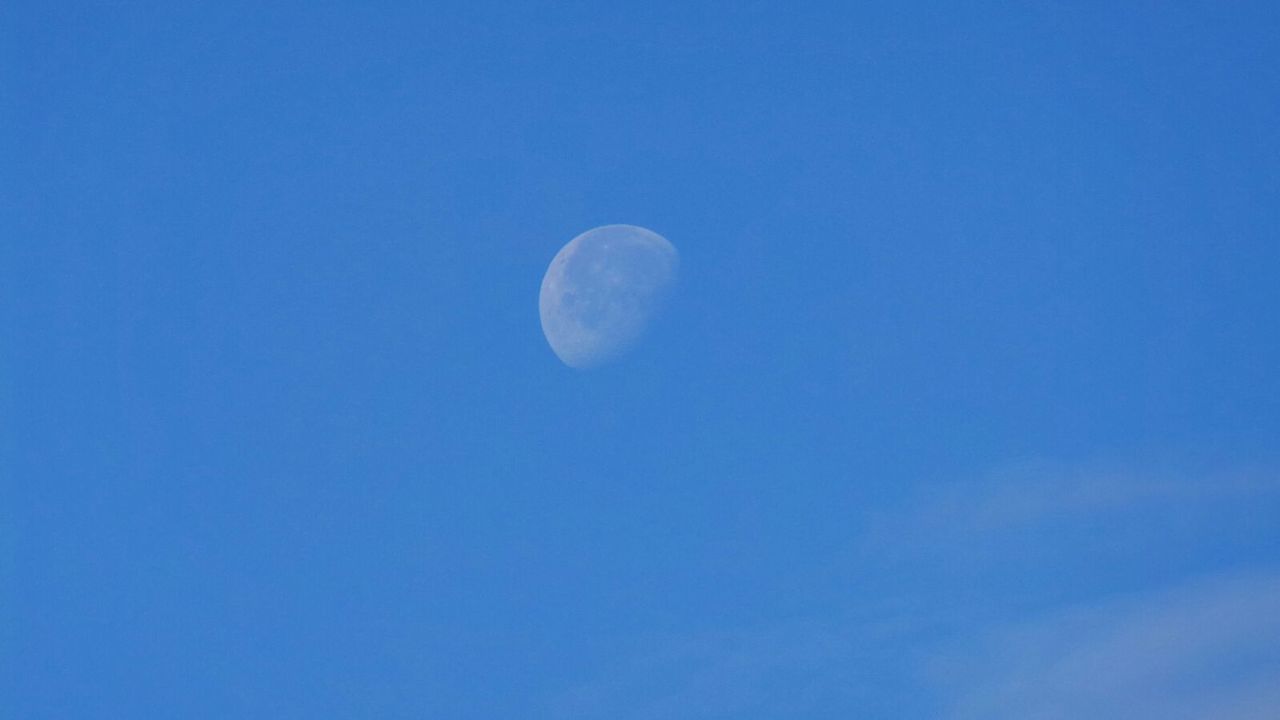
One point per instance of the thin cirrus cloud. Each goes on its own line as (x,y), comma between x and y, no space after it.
(1209,648)
(1036,592)
(1180,619)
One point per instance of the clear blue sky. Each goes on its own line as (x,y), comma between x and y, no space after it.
(967,405)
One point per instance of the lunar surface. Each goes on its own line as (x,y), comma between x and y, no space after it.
(602,290)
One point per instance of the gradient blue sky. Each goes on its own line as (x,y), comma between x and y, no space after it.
(967,405)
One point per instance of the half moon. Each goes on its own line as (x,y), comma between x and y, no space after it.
(602,290)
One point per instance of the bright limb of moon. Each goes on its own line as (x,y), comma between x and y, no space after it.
(602,290)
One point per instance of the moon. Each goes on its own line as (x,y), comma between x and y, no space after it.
(602,290)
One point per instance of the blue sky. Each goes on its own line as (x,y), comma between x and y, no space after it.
(966,405)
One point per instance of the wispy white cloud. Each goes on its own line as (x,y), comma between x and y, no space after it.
(1036,496)
(1208,649)
(1032,593)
